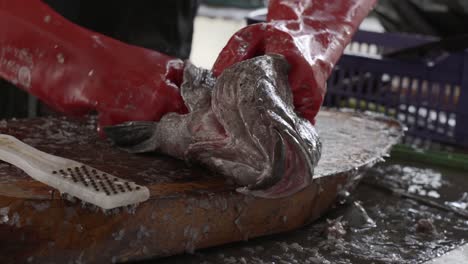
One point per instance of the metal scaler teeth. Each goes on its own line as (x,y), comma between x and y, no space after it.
(76,179)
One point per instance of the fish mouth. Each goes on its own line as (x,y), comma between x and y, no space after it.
(292,166)
(134,136)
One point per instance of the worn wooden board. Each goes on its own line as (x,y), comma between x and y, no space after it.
(189,208)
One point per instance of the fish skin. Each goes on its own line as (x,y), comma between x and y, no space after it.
(241,125)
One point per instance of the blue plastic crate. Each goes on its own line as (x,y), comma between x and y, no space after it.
(431,99)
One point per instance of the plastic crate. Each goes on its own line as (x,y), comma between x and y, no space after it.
(431,99)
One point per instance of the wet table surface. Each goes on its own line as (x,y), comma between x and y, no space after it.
(189,208)
(398,230)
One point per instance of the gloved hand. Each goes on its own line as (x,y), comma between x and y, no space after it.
(311,35)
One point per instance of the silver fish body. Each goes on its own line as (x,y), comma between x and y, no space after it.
(241,125)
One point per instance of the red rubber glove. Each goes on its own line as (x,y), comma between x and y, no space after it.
(76,71)
(310,34)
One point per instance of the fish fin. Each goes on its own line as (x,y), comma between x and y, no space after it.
(197,87)
(134,137)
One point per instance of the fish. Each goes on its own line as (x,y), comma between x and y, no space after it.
(241,125)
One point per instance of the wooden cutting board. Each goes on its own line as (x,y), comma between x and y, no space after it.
(189,208)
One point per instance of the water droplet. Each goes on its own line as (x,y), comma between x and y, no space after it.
(60,58)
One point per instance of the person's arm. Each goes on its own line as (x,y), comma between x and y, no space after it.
(311,35)
(77,71)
